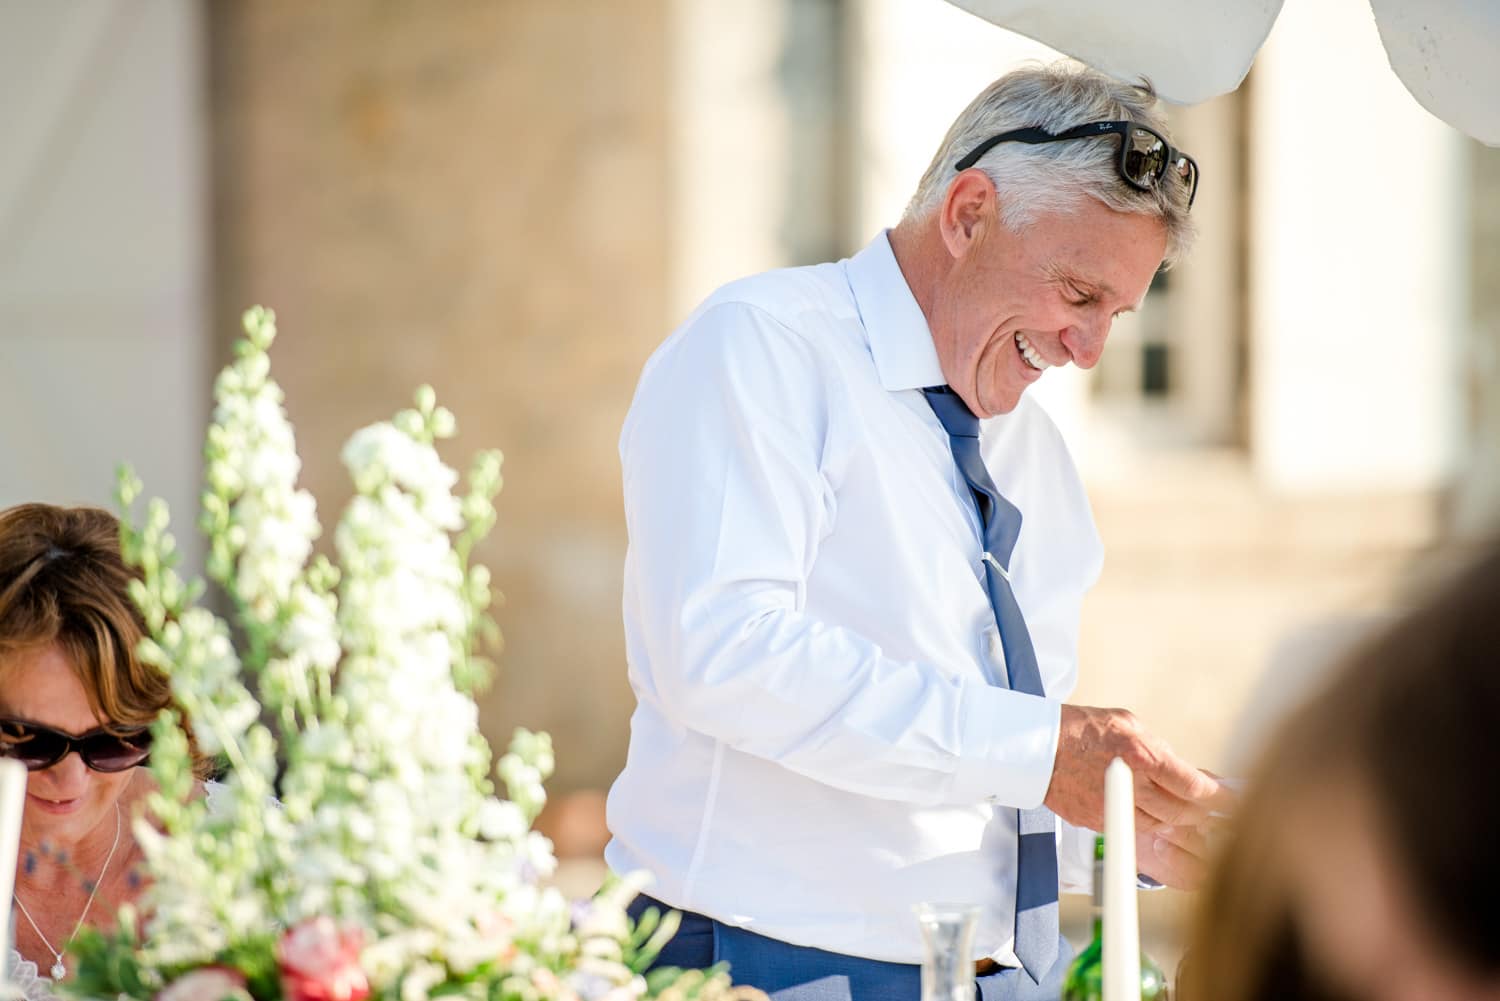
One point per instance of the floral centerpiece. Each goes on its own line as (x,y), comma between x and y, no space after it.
(356,847)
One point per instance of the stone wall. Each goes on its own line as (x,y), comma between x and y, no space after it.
(473,198)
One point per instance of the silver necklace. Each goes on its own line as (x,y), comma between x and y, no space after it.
(58,970)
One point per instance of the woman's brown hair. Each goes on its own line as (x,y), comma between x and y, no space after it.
(1411,720)
(63,581)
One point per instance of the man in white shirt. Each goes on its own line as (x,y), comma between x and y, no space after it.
(837,719)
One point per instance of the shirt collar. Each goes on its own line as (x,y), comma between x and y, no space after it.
(900,340)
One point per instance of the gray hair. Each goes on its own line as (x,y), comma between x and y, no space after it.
(1055,177)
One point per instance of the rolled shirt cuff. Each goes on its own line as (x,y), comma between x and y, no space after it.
(1009,746)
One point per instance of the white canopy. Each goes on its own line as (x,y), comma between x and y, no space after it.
(1446,52)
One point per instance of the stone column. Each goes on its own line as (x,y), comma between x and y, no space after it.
(470,195)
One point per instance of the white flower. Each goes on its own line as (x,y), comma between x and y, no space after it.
(381,452)
(501,821)
(420,978)
(386,827)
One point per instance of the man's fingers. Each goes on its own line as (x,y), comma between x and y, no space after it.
(1227,800)
(1167,863)
(1166,808)
(1224,799)
(1182,779)
(1193,840)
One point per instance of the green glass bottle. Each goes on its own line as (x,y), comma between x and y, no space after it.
(1085,979)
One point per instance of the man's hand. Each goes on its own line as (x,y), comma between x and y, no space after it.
(1176,856)
(1173,800)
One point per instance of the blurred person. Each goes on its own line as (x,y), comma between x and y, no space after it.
(851,661)
(1361,865)
(75,705)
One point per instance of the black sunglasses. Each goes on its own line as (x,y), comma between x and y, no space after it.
(1145,154)
(104,750)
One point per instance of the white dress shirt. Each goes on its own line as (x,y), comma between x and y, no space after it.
(823,738)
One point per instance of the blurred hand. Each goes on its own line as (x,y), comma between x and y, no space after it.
(1176,856)
(1173,800)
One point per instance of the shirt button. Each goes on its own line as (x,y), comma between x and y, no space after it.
(997,649)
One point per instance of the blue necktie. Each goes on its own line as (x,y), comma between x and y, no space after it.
(1000,523)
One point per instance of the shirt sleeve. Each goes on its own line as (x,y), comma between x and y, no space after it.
(1075,858)
(1075,861)
(730,454)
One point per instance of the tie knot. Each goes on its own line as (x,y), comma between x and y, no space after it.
(955,414)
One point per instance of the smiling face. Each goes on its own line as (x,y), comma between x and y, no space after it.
(1004,307)
(68,800)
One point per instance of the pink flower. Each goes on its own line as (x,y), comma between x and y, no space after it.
(496,929)
(207,983)
(320,962)
(545,981)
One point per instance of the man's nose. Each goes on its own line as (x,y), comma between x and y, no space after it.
(1085,341)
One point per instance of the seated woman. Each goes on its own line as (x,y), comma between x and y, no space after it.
(74,707)
(1362,863)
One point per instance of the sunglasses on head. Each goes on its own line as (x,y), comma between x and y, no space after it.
(1145,155)
(103,750)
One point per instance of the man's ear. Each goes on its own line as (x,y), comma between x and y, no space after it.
(967,211)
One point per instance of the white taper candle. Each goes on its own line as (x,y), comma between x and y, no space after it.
(1122,933)
(12,803)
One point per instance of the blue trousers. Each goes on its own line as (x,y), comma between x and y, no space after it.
(796,973)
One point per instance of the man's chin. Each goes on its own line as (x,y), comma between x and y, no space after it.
(1001,405)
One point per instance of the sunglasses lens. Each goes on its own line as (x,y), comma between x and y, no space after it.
(110,753)
(38,747)
(1145,158)
(34,747)
(1188,170)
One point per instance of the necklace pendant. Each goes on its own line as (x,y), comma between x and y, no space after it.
(58,970)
